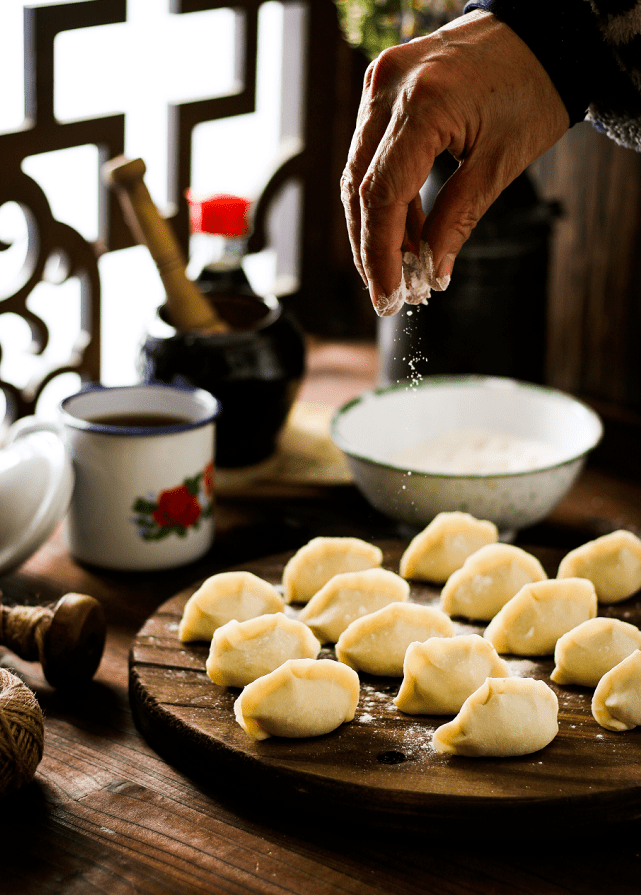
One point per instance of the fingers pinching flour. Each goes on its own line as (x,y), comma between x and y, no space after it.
(417,282)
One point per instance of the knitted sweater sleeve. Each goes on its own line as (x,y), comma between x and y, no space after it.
(592,51)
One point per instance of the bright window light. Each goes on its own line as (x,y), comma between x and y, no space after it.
(137,67)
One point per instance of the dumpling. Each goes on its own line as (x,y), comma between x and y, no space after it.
(348,596)
(612,562)
(504,717)
(587,652)
(488,579)
(243,651)
(320,559)
(441,673)
(442,547)
(616,704)
(222,597)
(301,698)
(533,620)
(377,643)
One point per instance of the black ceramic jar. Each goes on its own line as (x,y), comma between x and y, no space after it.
(254,370)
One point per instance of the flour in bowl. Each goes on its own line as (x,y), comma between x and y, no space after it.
(477,452)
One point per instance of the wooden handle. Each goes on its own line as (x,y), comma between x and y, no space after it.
(188,308)
(67,640)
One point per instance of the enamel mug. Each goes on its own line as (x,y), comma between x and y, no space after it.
(142,455)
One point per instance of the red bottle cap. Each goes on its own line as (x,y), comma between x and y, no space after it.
(223,215)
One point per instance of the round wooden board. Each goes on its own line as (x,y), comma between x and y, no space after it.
(381,767)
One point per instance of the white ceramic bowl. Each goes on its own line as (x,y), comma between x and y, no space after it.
(373,429)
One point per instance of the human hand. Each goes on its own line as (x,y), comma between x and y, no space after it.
(474,88)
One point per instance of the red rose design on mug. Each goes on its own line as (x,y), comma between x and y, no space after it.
(176,510)
(177,506)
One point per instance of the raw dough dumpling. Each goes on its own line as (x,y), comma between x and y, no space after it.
(587,652)
(243,651)
(222,597)
(441,673)
(443,547)
(533,620)
(349,596)
(377,643)
(616,704)
(612,562)
(488,579)
(301,698)
(504,717)
(312,566)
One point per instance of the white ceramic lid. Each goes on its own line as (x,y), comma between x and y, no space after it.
(36,482)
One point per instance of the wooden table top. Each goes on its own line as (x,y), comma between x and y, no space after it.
(105,813)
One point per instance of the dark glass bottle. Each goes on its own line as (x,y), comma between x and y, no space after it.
(255,367)
(220,227)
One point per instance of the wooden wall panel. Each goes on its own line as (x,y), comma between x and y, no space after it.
(594,294)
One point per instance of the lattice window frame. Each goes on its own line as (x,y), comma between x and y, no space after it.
(326,275)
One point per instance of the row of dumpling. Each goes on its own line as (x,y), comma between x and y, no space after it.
(364,611)
(531,615)
(479,575)
(287,691)
(305,696)
(496,714)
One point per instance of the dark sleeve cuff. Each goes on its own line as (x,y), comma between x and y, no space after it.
(564,35)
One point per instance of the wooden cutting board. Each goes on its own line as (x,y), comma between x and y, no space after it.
(381,767)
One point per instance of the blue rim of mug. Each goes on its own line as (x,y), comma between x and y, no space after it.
(206,398)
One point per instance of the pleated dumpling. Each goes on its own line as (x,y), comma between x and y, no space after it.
(488,579)
(533,620)
(504,717)
(444,545)
(312,566)
(587,652)
(612,562)
(349,596)
(616,703)
(441,673)
(243,651)
(301,698)
(377,643)
(223,597)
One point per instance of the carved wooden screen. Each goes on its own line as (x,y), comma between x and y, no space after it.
(324,298)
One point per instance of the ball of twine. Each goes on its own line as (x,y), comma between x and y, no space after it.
(21,732)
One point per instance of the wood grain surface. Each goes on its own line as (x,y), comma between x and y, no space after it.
(381,768)
(107,815)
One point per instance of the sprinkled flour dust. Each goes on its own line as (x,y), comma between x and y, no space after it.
(417,359)
(412,734)
(415,289)
(413,364)
(459,451)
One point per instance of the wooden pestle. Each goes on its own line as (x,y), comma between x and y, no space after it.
(67,640)
(187,307)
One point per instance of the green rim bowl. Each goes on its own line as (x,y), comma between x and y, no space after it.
(372,429)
